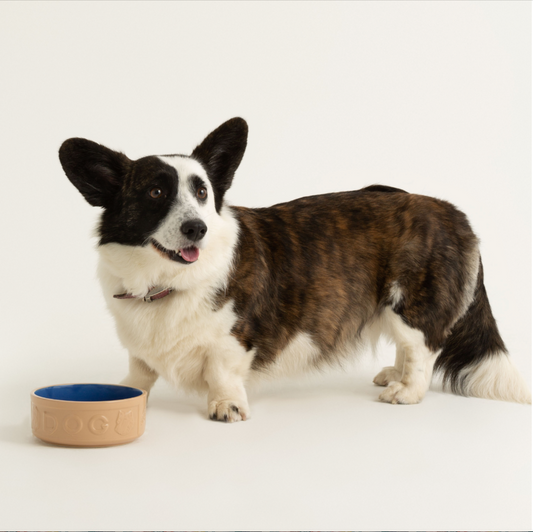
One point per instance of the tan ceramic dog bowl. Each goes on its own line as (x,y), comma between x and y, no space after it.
(88,415)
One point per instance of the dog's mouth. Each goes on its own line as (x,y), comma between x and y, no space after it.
(186,255)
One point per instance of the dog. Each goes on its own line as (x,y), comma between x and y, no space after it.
(212,296)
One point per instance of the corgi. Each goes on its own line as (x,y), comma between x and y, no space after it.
(212,296)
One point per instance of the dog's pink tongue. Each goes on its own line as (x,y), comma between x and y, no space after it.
(190,254)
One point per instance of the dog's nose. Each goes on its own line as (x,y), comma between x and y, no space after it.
(194,230)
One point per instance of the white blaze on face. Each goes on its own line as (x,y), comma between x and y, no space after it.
(187,206)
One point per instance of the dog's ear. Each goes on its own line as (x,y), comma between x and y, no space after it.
(221,153)
(96,171)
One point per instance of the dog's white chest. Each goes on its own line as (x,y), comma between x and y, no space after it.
(176,335)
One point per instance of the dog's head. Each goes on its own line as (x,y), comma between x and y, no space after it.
(161,201)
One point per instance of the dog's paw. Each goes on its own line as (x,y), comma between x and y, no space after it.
(387,375)
(399,393)
(228,411)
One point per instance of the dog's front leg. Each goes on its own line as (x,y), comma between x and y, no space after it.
(225,374)
(140,375)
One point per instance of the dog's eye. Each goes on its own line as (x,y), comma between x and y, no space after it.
(156,192)
(201,193)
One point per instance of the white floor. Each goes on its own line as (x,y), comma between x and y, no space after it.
(324,455)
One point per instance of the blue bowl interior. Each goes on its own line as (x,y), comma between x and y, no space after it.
(88,392)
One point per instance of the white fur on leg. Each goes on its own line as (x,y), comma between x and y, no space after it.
(226,399)
(418,362)
(140,375)
(391,373)
(225,371)
(387,375)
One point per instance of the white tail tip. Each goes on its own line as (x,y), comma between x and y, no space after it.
(495,377)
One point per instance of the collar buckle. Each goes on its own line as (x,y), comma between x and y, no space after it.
(154,294)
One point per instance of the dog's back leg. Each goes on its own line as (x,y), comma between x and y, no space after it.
(408,381)
(392,373)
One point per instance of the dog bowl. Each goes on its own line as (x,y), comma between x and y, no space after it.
(88,415)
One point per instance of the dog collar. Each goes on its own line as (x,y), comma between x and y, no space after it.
(154,294)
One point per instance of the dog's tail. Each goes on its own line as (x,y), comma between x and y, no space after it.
(474,360)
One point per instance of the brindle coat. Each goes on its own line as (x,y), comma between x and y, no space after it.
(325,265)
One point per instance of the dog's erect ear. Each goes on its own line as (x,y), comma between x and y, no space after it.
(96,171)
(221,153)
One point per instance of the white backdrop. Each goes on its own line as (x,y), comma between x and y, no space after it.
(431,97)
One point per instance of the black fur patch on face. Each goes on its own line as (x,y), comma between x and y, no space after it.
(135,215)
(136,195)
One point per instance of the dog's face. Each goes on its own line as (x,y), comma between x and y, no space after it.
(161,201)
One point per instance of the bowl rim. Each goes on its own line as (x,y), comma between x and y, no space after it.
(113,401)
